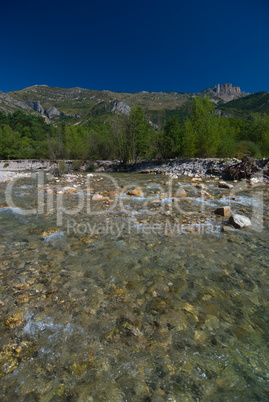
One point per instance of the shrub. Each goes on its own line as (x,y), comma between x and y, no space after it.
(60,169)
(76,164)
(89,167)
(248,148)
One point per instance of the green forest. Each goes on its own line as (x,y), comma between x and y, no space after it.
(130,138)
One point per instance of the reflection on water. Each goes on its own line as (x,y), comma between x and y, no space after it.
(148,301)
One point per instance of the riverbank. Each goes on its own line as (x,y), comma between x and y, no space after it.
(229,169)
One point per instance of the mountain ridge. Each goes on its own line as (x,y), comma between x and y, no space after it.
(73,105)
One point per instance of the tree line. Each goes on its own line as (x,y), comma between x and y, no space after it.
(130,138)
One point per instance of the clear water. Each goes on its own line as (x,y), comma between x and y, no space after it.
(137,299)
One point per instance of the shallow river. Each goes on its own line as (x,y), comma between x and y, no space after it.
(118,297)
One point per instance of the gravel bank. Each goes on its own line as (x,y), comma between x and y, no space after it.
(230,169)
(205,168)
(19,165)
(7,176)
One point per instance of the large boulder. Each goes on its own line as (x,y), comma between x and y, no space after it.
(223,211)
(239,221)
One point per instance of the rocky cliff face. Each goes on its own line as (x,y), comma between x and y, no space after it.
(226,92)
(8,104)
(120,107)
(36,105)
(51,112)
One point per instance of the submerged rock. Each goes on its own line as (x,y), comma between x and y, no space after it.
(14,320)
(48,233)
(205,194)
(135,192)
(69,190)
(97,197)
(227,228)
(180,192)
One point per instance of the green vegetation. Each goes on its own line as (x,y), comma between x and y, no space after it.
(131,137)
(23,136)
(205,134)
(242,108)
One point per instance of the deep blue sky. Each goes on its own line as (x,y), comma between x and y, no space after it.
(167,45)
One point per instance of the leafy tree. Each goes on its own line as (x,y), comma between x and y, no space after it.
(264,141)
(10,143)
(3,119)
(77,142)
(205,125)
(228,132)
(120,128)
(188,139)
(172,140)
(139,133)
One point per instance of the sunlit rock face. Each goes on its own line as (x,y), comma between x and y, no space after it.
(226,92)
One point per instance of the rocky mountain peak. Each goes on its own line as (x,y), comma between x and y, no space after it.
(226,92)
(225,89)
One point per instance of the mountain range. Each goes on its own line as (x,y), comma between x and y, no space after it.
(78,105)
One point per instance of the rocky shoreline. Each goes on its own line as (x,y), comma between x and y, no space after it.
(228,169)
(9,169)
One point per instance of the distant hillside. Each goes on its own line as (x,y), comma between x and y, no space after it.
(244,107)
(78,105)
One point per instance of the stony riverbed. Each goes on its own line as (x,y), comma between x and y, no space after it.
(125,287)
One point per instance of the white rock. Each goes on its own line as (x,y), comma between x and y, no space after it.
(239,221)
(256,180)
(223,184)
(97,197)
